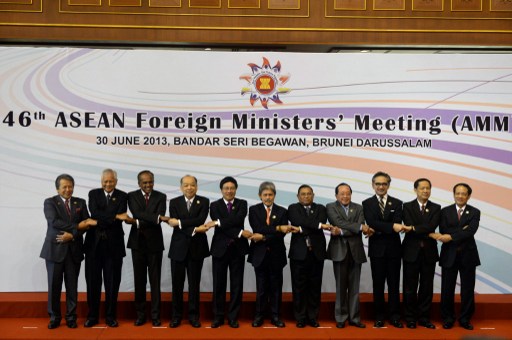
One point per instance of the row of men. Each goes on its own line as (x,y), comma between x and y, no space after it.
(381,218)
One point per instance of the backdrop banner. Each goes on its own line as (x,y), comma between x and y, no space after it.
(291,118)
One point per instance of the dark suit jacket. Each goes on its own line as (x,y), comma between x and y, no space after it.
(298,217)
(352,234)
(423,225)
(149,227)
(182,240)
(462,232)
(385,242)
(105,214)
(58,221)
(231,224)
(274,239)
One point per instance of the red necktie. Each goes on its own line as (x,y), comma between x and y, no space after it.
(147,200)
(68,210)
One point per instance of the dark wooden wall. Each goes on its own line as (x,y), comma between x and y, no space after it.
(279,24)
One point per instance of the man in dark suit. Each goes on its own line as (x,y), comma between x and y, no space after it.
(421,217)
(228,249)
(67,218)
(307,254)
(267,252)
(346,250)
(147,244)
(104,248)
(459,254)
(189,247)
(383,214)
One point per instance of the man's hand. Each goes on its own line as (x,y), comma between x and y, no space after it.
(397,228)
(173,222)
(407,229)
(64,237)
(211,224)
(256,237)
(284,228)
(86,224)
(294,230)
(164,218)
(326,226)
(445,238)
(335,231)
(201,229)
(246,234)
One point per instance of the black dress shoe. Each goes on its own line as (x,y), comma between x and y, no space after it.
(195,323)
(466,325)
(378,324)
(357,324)
(139,322)
(301,324)
(314,323)
(340,324)
(53,324)
(71,324)
(427,324)
(175,323)
(447,325)
(217,323)
(411,324)
(277,322)
(112,323)
(233,323)
(90,323)
(397,324)
(258,321)
(156,322)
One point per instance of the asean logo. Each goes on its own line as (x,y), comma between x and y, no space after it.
(265,83)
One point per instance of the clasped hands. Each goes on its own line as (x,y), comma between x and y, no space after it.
(444,238)
(285,229)
(336,231)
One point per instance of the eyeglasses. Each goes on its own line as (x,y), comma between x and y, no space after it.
(381,184)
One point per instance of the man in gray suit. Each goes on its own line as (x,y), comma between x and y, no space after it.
(347,253)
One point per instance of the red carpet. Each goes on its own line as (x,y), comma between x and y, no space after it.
(23,316)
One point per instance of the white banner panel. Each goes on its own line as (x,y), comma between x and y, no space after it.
(319,119)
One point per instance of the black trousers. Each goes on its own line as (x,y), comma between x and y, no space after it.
(235,262)
(147,264)
(102,266)
(467,291)
(192,269)
(418,288)
(386,270)
(66,271)
(269,287)
(306,287)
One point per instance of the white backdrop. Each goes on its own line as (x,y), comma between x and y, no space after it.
(42,87)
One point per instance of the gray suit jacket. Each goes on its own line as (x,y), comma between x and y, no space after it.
(352,235)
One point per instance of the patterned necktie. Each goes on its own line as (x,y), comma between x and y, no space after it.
(230,206)
(268,216)
(68,210)
(308,210)
(423,209)
(381,206)
(147,200)
(189,204)
(459,213)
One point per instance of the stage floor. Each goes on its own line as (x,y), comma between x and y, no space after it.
(36,328)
